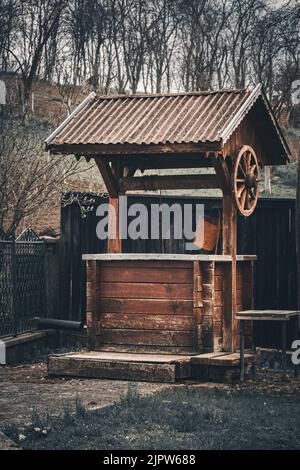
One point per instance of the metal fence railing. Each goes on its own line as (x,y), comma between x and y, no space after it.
(22,282)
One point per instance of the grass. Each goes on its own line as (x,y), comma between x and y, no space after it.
(178,418)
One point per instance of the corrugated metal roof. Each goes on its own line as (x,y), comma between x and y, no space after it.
(182,118)
(152,119)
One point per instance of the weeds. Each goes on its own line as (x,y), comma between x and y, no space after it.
(178,418)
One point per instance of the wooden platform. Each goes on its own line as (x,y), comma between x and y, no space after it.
(219,366)
(121,366)
(165,368)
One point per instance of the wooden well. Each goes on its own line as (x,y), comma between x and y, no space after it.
(173,303)
(164,303)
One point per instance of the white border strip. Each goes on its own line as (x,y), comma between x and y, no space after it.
(163,257)
(2,353)
(70,117)
(241,113)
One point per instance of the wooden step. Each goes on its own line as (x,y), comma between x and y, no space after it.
(218,367)
(230,359)
(165,368)
(120,366)
(205,359)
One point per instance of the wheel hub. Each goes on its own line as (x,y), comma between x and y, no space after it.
(250,181)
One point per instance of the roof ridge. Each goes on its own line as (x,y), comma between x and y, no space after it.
(174,94)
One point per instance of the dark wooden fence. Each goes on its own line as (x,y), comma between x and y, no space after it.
(269,233)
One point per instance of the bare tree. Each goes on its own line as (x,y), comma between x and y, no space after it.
(241,30)
(29,178)
(37,21)
(161,40)
(9,10)
(133,31)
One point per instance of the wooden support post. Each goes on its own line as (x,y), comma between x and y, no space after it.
(207,326)
(91,305)
(230,333)
(242,352)
(283,346)
(198,306)
(247,286)
(114,240)
(110,177)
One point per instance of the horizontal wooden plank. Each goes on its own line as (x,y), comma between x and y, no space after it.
(145,349)
(75,367)
(230,359)
(205,359)
(153,306)
(145,275)
(147,322)
(147,337)
(169,257)
(145,264)
(126,357)
(156,182)
(145,290)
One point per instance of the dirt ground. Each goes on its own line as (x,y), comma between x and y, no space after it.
(26,390)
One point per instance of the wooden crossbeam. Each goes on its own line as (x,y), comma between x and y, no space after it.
(156,162)
(109,178)
(130,149)
(154,183)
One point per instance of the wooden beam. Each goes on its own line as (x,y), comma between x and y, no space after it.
(229,223)
(130,149)
(223,174)
(168,161)
(154,183)
(164,164)
(114,240)
(207,317)
(197,305)
(229,248)
(109,179)
(91,302)
(129,170)
(117,168)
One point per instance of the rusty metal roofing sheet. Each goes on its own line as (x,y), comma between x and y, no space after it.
(182,118)
(151,119)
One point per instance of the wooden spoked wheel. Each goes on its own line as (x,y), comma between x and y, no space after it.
(245,181)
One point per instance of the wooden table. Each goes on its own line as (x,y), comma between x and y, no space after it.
(264,315)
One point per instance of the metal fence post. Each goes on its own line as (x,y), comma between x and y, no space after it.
(14,287)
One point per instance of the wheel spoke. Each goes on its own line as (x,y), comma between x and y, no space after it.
(243,198)
(248,161)
(240,190)
(246,179)
(248,199)
(252,194)
(242,170)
